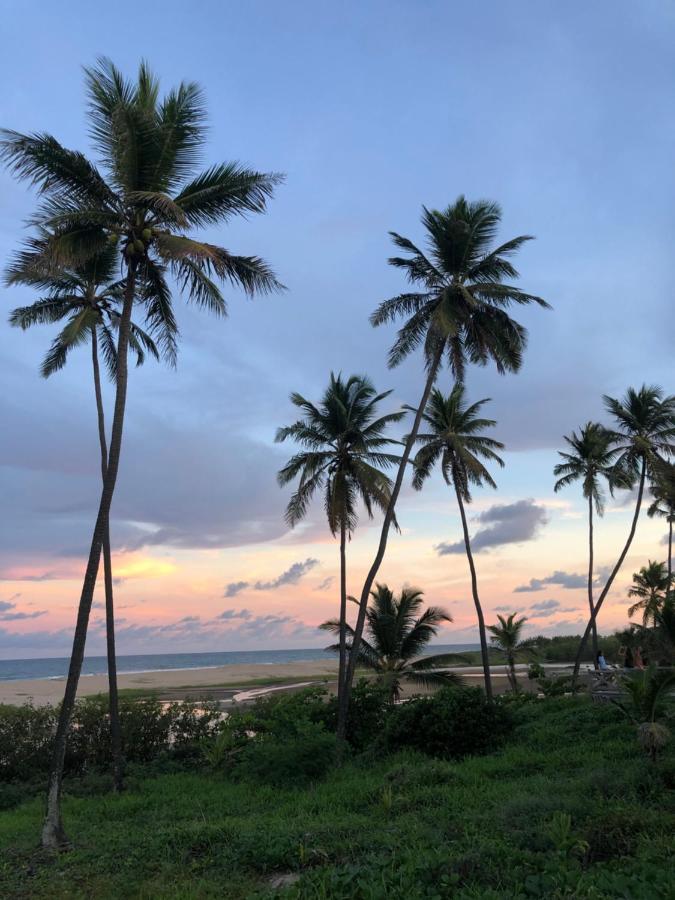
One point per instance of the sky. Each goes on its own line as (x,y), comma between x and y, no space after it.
(560,112)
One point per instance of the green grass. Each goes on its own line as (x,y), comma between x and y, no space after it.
(570,808)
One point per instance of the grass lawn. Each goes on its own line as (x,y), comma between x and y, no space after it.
(570,808)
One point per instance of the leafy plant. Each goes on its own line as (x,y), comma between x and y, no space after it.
(451,724)
(398,630)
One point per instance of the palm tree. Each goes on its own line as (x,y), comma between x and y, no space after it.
(506,637)
(454,440)
(343,456)
(460,313)
(651,585)
(663,505)
(665,627)
(647,701)
(645,433)
(88,298)
(591,459)
(398,631)
(146,198)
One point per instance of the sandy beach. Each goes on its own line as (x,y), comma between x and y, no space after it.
(222,682)
(170,682)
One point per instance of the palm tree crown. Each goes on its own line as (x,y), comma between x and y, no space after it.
(645,429)
(398,631)
(147,195)
(454,438)
(462,302)
(88,296)
(592,457)
(663,492)
(344,452)
(650,584)
(506,637)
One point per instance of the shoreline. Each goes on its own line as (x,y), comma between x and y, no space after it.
(214,682)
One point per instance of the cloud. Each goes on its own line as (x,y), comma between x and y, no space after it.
(546,608)
(8,575)
(546,604)
(508,609)
(234,588)
(510,523)
(229,614)
(325,584)
(9,612)
(568,580)
(290,576)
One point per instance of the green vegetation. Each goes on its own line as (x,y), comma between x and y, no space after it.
(344,452)
(570,807)
(397,632)
(454,440)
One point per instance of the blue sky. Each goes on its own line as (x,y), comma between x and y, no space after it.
(561,112)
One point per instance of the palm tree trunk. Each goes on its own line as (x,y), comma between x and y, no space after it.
(379,556)
(53,835)
(512,672)
(613,574)
(343,607)
(476,601)
(115,730)
(590,579)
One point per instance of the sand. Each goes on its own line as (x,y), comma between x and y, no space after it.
(41,691)
(219,683)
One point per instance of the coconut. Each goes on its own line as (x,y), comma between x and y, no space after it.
(139,246)
(146,234)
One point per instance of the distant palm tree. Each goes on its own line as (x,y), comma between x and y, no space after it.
(663,505)
(88,298)
(398,631)
(147,201)
(343,457)
(454,440)
(506,637)
(592,457)
(645,434)
(651,585)
(459,311)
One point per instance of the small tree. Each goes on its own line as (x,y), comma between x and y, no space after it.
(398,631)
(651,585)
(647,700)
(506,638)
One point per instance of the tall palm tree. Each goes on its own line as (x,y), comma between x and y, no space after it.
(344,452)
(88,298)
(506,637)
(651,585)
(590,460)
(398,631)
(146,197)
(455,441)
(644,434)
(458,312)
(663,505)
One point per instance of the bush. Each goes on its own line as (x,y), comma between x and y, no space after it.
(451,724)
(289,760)
(25,740)
(368,709)
(149,729)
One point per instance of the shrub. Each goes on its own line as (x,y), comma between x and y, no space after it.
(25,740)
(288,760)
(368,709)
(535,670)
(451,724)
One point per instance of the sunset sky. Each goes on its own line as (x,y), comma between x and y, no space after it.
(561,112)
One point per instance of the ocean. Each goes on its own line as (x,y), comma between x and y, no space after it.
(57,667)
